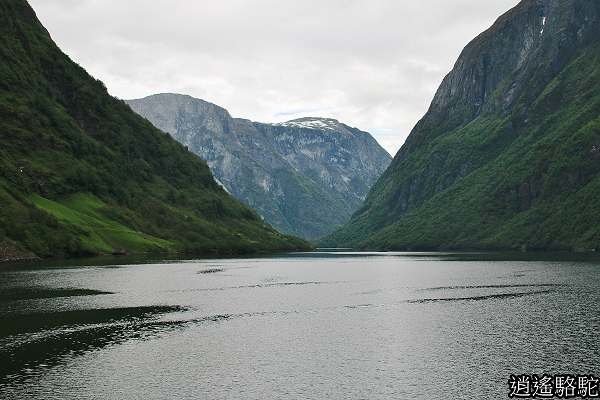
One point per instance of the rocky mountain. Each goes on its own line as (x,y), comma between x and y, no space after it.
(305,177)
(508,154)
(80,173)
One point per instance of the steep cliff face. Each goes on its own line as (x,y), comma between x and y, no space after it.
(506,156)
(80,173)
(305,176)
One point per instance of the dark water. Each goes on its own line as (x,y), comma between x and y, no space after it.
(315,326)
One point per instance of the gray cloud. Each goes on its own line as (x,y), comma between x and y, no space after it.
(372,64)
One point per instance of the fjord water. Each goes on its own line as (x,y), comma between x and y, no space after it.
(310,326)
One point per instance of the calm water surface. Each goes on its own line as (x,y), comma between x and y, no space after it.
(304,326)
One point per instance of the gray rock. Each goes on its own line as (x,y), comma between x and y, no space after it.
(305,177)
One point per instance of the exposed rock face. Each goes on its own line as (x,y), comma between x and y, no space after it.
(305,176)
(528,45)
(506,144)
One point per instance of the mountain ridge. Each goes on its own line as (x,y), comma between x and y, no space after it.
(304,176)
(521,90)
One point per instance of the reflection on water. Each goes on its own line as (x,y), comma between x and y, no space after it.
(42,338)
(310,325)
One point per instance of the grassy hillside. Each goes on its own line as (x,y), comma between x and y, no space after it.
(513,166)
(80,173)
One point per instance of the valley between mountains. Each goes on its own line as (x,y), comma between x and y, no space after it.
(506,158)
(305,177)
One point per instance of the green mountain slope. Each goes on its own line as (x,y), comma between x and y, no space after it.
(508,155)
(80,173)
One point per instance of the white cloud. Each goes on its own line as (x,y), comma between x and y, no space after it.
(371,64)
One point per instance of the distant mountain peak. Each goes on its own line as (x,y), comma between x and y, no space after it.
(176,100)
(305,176)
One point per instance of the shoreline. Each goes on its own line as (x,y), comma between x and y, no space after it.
(147,258)
(120,258)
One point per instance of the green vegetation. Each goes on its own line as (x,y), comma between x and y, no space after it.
(85,214)
(523,178)
(80,173)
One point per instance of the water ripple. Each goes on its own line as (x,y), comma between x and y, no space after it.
(483,297)
(500,286)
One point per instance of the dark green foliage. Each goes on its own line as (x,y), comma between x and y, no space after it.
(67,147)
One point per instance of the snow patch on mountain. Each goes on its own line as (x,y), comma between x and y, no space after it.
(543,25)
(311,123)
(222,185)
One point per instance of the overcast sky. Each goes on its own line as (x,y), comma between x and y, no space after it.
(373,64)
